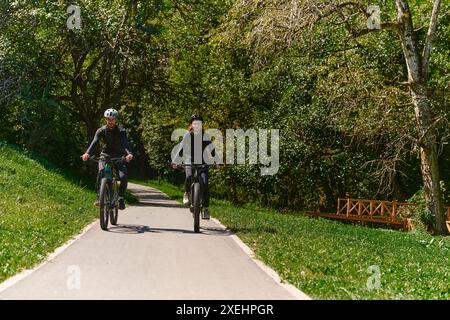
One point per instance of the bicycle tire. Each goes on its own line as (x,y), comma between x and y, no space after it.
(114,215)
(115,210)
(104,203)
(196,205)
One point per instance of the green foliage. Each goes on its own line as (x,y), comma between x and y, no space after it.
(58,82)
(422,216)
(346,120)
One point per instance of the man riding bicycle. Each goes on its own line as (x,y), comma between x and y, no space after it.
(116,145)
(195,135)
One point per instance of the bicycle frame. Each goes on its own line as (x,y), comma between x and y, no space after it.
(107,188)
(196,178)
(108,170)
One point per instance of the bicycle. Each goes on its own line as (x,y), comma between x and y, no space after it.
(109,189)
(196,194)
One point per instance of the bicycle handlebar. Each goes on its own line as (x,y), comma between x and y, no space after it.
(97,159)
(195,165)
(192,165)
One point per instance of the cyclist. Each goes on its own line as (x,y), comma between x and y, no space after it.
(196,133)
(116,145)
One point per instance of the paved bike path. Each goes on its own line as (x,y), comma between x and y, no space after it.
(151,254)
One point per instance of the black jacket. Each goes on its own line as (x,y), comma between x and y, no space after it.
(186,147)
(114,140)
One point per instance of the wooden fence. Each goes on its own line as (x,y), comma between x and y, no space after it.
(377,211)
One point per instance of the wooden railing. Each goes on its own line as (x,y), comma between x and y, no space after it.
(378,211)
(375,209)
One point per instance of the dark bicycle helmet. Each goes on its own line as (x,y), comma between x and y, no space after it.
(195,117)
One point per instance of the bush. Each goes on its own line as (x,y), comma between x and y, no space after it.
(422,216)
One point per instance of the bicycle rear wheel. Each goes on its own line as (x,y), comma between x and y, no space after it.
(105,196)
(196,205)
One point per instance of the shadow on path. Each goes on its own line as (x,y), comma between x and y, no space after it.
(149,203)
(138,229)
(153,198)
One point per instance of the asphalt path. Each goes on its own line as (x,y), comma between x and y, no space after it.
(152,253)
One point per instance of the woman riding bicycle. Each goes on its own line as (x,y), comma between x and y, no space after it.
(196,136)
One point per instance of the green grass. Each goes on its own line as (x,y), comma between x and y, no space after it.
(330,260)
(40,209)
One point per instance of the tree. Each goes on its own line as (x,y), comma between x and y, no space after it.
(418,67)
(275,25)
(105,63)
(417,64)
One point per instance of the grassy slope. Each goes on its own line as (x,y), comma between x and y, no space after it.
(40,209)
(331,260)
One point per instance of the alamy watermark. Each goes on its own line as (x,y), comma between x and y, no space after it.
(374,20)
(374,281)
(235,147)
(74,20)
(74,277)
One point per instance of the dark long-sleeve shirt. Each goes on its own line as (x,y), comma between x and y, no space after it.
(186,148)
(115,142)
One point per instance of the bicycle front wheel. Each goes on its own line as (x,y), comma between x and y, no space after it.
(114,215)
(105,197)
(115,207)
(196,205)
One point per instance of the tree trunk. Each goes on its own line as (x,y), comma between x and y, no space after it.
(429,158)
(427,137)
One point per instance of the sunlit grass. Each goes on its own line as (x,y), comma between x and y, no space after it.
(331,260)
(40,210)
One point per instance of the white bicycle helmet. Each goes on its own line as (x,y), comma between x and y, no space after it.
(111,113)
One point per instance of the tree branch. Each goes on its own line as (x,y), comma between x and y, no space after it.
(422,137)
(93,65)
(429,40)
(383,26)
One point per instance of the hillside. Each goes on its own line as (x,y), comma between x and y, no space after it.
(40,209)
